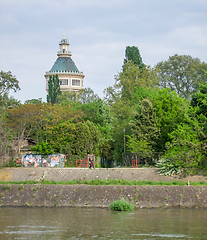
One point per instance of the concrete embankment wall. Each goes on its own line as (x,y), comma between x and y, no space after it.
(66,174)
(102,196)
(97,196)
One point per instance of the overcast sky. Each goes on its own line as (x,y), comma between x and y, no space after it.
(98,32)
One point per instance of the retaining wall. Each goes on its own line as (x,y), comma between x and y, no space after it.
(102,196)
(97,196)
(66,174)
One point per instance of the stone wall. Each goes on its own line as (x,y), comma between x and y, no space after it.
(101,196)
(97,196)
(66,174)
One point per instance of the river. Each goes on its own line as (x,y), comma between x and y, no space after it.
(66,223)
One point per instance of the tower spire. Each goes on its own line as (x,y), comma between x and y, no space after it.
(63,28)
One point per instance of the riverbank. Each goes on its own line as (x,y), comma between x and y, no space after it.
(101,196)
(81,195)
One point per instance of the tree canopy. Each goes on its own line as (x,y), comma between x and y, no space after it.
(182,73)
(8,82)
(132,54)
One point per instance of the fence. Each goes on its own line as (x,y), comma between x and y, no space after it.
(103,163)
(82,163)
(140,159)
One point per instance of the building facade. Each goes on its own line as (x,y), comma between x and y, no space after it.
(71,79)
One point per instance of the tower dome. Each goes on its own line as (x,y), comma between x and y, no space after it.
(71,79)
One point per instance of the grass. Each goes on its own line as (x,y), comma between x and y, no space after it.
(20,182)
(110,182)
(121,205)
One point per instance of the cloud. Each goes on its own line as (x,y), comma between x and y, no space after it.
(98,32)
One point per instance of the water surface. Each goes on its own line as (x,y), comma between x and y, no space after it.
(66,223)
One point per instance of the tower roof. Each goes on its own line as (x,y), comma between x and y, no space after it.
(64,64)
(64,41)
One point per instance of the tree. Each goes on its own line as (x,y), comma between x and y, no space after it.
(8,82)
(53,89)
(67,98)
(171,111)
(6,143)
(182,73)
(42,148)
(186,149)
(33,101)
(99,113)
(22,119)
(199,100)
(132,54)
(127,80)
(87,95)
(144,124)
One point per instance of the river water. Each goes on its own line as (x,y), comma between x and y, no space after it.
(66,223)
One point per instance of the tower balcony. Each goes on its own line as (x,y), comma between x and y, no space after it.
(64,54)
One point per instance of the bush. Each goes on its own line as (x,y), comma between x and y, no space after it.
(121,205)
(168,167)
(6,187)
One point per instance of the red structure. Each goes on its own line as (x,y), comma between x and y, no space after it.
(134,163)
(83,163)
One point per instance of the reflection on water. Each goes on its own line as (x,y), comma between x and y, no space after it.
(65,223)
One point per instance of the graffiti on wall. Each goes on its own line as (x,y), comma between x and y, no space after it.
(54,160)
(33,160)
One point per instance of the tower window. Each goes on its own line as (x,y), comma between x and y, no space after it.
(75,82)
(63,81)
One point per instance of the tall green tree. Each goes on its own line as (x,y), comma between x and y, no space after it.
(182,73)
(132,54)
(53,89)
(144,124)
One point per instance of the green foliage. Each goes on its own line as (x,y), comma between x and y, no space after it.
(20,182)
(182,73)
(53,89)
(8,82)
(199,99)
(141,93)
(43,148)
(185,149)
(168,167)
(139,146)
(87,95)
(33,101)
(99,182)
(133,77)
(171,111)
(121,205)
(132,54)
(6,187)
(144,125)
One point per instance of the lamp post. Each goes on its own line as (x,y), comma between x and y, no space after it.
(124,140)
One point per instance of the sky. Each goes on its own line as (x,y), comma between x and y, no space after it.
(98,32)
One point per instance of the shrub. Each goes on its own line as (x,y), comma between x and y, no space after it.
(6,187)
(168,167)
(121,205)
